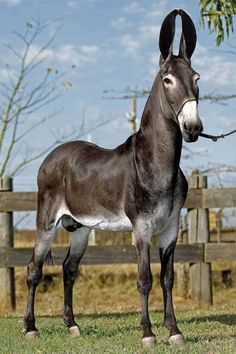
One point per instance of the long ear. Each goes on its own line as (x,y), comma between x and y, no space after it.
(188,38)
(167,34)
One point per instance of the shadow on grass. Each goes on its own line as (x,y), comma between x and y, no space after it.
(105,315)
(226,319)
(128,325)
(210,338)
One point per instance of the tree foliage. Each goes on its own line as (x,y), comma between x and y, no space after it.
(218,14)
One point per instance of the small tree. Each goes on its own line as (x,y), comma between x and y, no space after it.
(29,84)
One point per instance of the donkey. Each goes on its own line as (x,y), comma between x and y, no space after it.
(136,186)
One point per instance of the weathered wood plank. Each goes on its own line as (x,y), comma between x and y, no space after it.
(218,197)
(223,252)
(194,199)
(27,201)
(18,201)
(189,253)
(197,198)
(18,257)
(3,260)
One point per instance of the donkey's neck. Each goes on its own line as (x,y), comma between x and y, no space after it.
(158,141)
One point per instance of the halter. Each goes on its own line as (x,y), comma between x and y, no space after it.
(170,105)
(216,137)
(203,135)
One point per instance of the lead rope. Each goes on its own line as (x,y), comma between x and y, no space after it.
(216,137)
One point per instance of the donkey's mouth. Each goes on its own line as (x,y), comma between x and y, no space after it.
(191,129)
(190,138)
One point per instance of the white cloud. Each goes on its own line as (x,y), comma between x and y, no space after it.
(157,11)
(7,73)
(67,54)
(10,2)
(155,14)
(130,45)
(148,32)
(146,29)
(154,67)
(89,49)
(35,50)
(74,55)
(132,8)
(76,3)
(214,69)
(121,24)
(226,121)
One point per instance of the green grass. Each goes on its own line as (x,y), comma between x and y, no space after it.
(210,330)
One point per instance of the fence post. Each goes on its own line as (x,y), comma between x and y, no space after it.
(7,275)
(200,273)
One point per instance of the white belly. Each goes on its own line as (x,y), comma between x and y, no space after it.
(112,222)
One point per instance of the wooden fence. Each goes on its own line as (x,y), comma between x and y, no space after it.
(198,252)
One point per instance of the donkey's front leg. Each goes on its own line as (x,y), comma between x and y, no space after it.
(167,248)
(144,283)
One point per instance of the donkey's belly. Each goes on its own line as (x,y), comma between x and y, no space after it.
(111,222)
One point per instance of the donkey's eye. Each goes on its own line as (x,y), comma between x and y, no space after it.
(167,81)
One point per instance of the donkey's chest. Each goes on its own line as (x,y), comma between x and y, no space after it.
(160,215)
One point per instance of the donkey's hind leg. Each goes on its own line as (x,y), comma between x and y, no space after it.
(45,233)
(79,242)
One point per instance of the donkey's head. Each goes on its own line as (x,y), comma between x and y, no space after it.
(179,80)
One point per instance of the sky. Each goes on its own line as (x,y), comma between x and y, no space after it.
(109,45)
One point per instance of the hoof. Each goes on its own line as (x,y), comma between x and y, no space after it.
(31,335)
(149,342)
(177,339)
(74,331)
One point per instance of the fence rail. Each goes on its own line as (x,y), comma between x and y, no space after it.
(204,198)
(199,252)
(18,257)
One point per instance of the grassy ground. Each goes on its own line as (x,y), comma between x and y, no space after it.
(206,331)
(108,304)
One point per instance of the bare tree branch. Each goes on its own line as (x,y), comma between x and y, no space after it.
(129,93)
(20,99)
